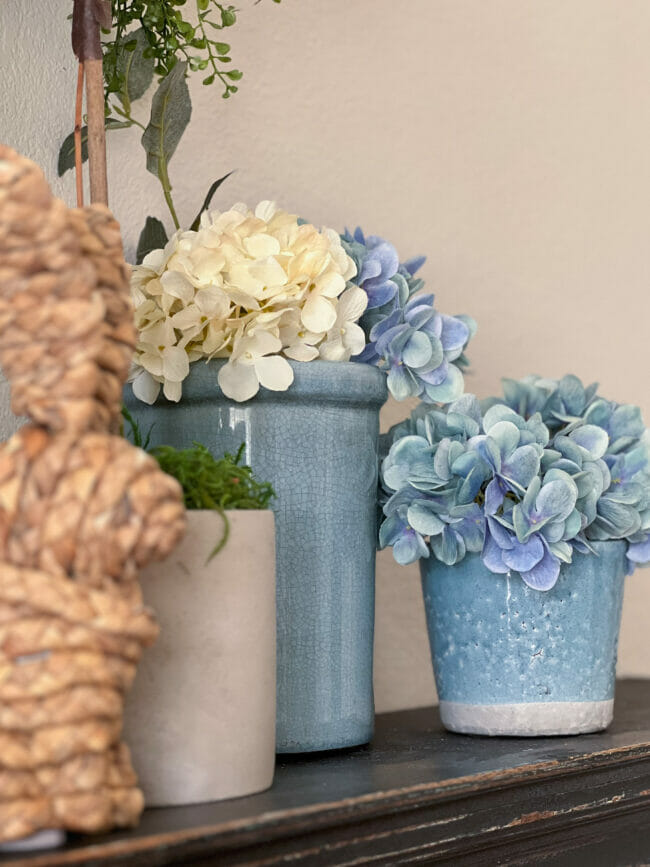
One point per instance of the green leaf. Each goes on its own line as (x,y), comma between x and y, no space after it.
(134,68)
(152,237)
(234,74)
(206,202)
(171,109)
(66,152)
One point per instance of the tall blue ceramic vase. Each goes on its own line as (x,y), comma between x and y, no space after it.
(510,660)
(317,444)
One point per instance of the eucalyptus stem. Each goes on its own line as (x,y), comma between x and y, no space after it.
(127,116)
(163,177)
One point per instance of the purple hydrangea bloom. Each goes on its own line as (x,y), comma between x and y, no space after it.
(420,349)
(524,489)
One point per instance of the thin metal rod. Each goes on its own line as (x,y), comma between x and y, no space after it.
(78,162)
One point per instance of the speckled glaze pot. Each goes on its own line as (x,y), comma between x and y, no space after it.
(509,660)
(317,444)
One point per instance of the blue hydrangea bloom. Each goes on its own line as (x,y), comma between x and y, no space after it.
(421,350)
(526,480)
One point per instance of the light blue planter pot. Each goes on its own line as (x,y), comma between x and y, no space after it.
(509,660)
(317,444)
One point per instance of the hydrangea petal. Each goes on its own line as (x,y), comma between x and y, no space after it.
(544,575)
(177,284)
(417,351)
(401,383)
(413,265)
(352,304)
(390,530)
(176,365)
(371,268)
(301,352)
(557,499)
(318,314)
(446,547)
(331,285)
(497,413)
(470,486)
(524,555)
(492,556)
(594,440)
(173,390)
(522,466)
(384,253)
(626,421)
(436,364)
(572,393)
(501,536)
(274,372)
(623,520)
(423,518)
(409,548)
(448,390)
(266,210)
(261,246)
(381,294)
(238,381)
(494,495)
(455,332)
(506,435)
(471,526)
(145,387)
(639,552)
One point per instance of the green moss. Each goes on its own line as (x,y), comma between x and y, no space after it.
(207,482)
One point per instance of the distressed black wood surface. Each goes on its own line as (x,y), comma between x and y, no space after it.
(418,795)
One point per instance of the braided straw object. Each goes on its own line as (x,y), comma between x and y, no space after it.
(81,511)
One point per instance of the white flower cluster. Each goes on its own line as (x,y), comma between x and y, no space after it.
(255,287)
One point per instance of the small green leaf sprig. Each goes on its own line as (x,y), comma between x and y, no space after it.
(170,37)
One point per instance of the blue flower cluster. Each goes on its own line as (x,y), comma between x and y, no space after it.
(421,350)
(525,480)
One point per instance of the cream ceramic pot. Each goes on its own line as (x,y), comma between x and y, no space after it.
(200,719)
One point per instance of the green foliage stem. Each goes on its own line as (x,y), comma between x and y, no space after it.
(171,37)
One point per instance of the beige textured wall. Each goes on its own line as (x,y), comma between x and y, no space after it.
(506,139)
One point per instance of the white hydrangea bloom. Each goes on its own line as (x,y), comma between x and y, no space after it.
(252,286)
(346,338)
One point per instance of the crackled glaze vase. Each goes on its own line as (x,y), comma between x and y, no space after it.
(510,660)
(317,444)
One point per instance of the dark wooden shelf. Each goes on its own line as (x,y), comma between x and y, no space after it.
(417,795)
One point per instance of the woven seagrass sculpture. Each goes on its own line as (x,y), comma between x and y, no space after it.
(81,511)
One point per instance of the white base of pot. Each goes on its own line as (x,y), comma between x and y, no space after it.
(530,719)
(35,842)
